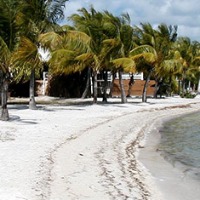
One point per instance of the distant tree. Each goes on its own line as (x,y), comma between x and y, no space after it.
(189,53)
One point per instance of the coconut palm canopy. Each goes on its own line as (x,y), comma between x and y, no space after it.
(103,41)
(20,24)
(96,40)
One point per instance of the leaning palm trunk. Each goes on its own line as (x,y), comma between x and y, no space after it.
(112,83)
(32,103)
(130,84)
(144,94)
(4,110)
(121,84)
(156,88)
(87,84)
(95,87)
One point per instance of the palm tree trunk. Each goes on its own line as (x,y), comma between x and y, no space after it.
(130,84)
(87,84)
(32,103)
(198,87)
(156,88)
(179,87)
(183,82)
(121,84)
(170,86)
(95,87)
(105,84)
(183,86)
(189,85)
(4,110)
(144,94)
(112,83)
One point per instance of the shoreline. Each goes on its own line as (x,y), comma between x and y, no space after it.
(81,151)
(172,181)
(145,187)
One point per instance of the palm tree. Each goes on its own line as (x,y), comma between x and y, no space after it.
(10,22)
(126,65)
(124,35)
(93,23)
(40,16)
(166,36)
(189,56)
(152,49)
(196,63)
(65,48)
(29,60)
(93,43)
(145,57)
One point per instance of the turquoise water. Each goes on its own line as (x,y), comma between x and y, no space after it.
(180,143)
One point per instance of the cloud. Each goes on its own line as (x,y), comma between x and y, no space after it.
(184,13)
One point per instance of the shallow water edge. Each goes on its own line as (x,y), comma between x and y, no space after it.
(170,179)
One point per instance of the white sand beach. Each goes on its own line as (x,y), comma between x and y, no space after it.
(83,151)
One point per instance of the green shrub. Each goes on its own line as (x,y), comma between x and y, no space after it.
(188,94)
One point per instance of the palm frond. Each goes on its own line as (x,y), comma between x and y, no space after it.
(78,39)
(145,52)
(197,60)
(143,49)
(127,64)
(24,59)
(107,46)
(5,55)
(170,67)
(147,57)
(62,61)
(50,40)
(78,35)
(85,57)
(27,51)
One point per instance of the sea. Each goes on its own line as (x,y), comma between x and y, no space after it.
(180,143)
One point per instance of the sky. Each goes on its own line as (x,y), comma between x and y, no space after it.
(183,13)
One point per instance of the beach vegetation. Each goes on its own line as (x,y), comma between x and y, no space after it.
(119,58)
(39,17)
(107,41)
(152,52)
(10,21)
(95,41)
(189,56)
(21,22)
(100,41)
(188,94)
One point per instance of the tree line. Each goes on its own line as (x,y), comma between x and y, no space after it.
(96,41)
